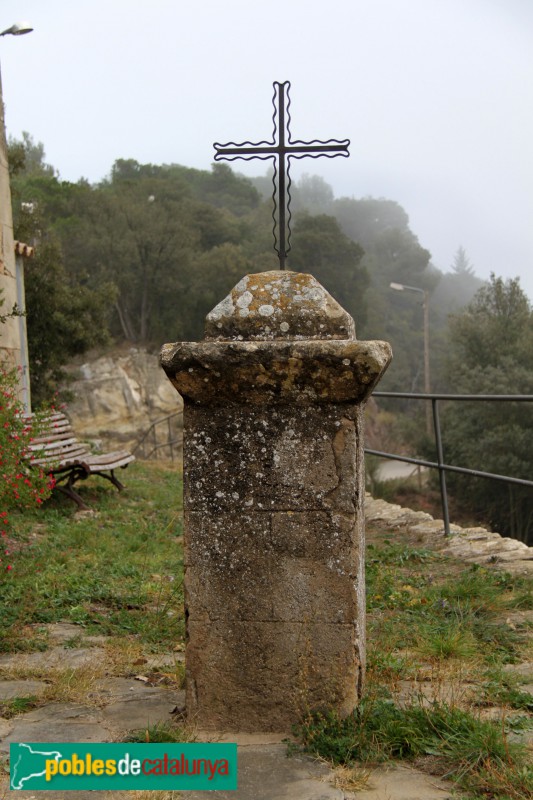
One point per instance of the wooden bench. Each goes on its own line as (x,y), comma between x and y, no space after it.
(59,452)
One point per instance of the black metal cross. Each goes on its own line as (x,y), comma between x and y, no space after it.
(281,149)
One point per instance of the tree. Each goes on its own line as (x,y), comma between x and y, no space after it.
(397,256)
(213,274)
(392,252)
(26,156)
(221,187)
(312,194)
(365,220)
(461,264)
(64,317)
(151,238)
(141,237)
(455,290)
(491,352)
(321,248)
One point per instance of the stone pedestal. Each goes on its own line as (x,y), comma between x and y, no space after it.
(273,499)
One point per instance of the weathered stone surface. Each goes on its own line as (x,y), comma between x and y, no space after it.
(273,543)
(278,338)
(258,373)
(272,588)
(56,657)
(265,773)
(523,671)
(332,539)
(11,689)
(277,459)
(118,396)
(6,726)
(260,676)
(273,499)
(472,545)
(53,795)
(120,705)
(405,783)
(255,560)
(140,709)
(279,304)
(69,632)
(58,722)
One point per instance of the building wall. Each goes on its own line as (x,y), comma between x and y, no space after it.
(10,344)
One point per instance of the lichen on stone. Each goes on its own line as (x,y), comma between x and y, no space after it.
(279,305)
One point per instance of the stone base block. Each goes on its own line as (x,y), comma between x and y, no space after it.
(264,676)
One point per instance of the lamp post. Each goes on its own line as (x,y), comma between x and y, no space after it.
(16,335)
(401,287)
(18,29)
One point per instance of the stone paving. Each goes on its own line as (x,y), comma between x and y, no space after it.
(115,704)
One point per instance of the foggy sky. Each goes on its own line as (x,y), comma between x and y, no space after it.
(435,95)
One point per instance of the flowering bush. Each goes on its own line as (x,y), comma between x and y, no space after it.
(20,486)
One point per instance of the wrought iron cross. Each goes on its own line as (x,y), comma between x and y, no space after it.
(281,149)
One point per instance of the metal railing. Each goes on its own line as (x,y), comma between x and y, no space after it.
(165,436)
(439,464)
(162,434)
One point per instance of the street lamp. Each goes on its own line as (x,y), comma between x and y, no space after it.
(18,29)
(401,287)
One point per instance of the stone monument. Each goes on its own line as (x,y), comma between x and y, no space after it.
(273,502)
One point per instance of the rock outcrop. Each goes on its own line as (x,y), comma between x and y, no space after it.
(117,397)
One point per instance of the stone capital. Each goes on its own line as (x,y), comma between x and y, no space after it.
(278,337)
(272,372)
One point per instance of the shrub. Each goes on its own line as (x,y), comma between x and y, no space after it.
(20,486)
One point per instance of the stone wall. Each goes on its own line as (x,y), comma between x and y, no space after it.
(10,334)
(474,545)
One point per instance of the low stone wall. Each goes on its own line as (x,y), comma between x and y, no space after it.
(471,545)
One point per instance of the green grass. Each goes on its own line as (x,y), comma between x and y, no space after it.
(117,572)
(423,602)
(17,705)
(380,730)
(475,753)
(503,690)
(160,733)
(446,639)
(431,620)
(438,623)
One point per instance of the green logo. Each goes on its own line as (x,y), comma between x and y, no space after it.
(65,766)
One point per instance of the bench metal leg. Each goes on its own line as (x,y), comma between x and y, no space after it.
(115,481)
(72,493)
(78,474)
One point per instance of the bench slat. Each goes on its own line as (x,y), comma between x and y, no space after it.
(57,450)
(59,461)
(56,437)
(59,444)
(56,457)
(48,433)
(99,463)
